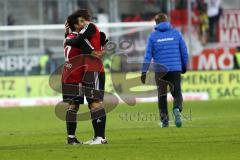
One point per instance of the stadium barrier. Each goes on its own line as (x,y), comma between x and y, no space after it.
(204,85)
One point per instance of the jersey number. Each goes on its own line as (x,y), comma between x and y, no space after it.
(66,52)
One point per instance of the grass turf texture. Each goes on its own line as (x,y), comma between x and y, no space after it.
(212,133)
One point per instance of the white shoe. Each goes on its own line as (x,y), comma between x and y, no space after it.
(89,141)
(97,140)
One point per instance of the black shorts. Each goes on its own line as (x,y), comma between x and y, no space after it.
(92,88)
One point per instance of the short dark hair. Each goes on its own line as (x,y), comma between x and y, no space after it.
(161,17)
(72,20)
(84,13)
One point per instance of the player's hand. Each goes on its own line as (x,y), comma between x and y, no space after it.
(67,28)
(98,54)
(184,70)
(143,77)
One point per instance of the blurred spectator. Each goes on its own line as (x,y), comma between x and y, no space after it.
(214,13)
(51,64)
(47,63)
(149,1)
(181,4)
(236,59)
(10,20)
(148,11)
(163,6)
(42,62)
(82,4)
(138,17)
(198,4)
(51,12)
(204,23)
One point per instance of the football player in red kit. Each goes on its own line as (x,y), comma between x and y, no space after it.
(72,76)
(93,77)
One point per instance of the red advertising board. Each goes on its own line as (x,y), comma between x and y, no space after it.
(229,27)
(214,59)
(221,56)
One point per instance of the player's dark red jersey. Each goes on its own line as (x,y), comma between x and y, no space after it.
(94,64)
(91,35)
(74,63)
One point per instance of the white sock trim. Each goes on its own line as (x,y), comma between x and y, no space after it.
(71,136)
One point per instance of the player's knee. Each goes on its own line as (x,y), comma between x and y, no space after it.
(71,114)
(73,107)
(95,105)
(97,110)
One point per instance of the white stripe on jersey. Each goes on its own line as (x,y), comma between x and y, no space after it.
(85,28)
(90,45)
(86,40)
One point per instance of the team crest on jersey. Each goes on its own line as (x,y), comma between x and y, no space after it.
(68,65)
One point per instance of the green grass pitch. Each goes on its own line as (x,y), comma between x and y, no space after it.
(211,131)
